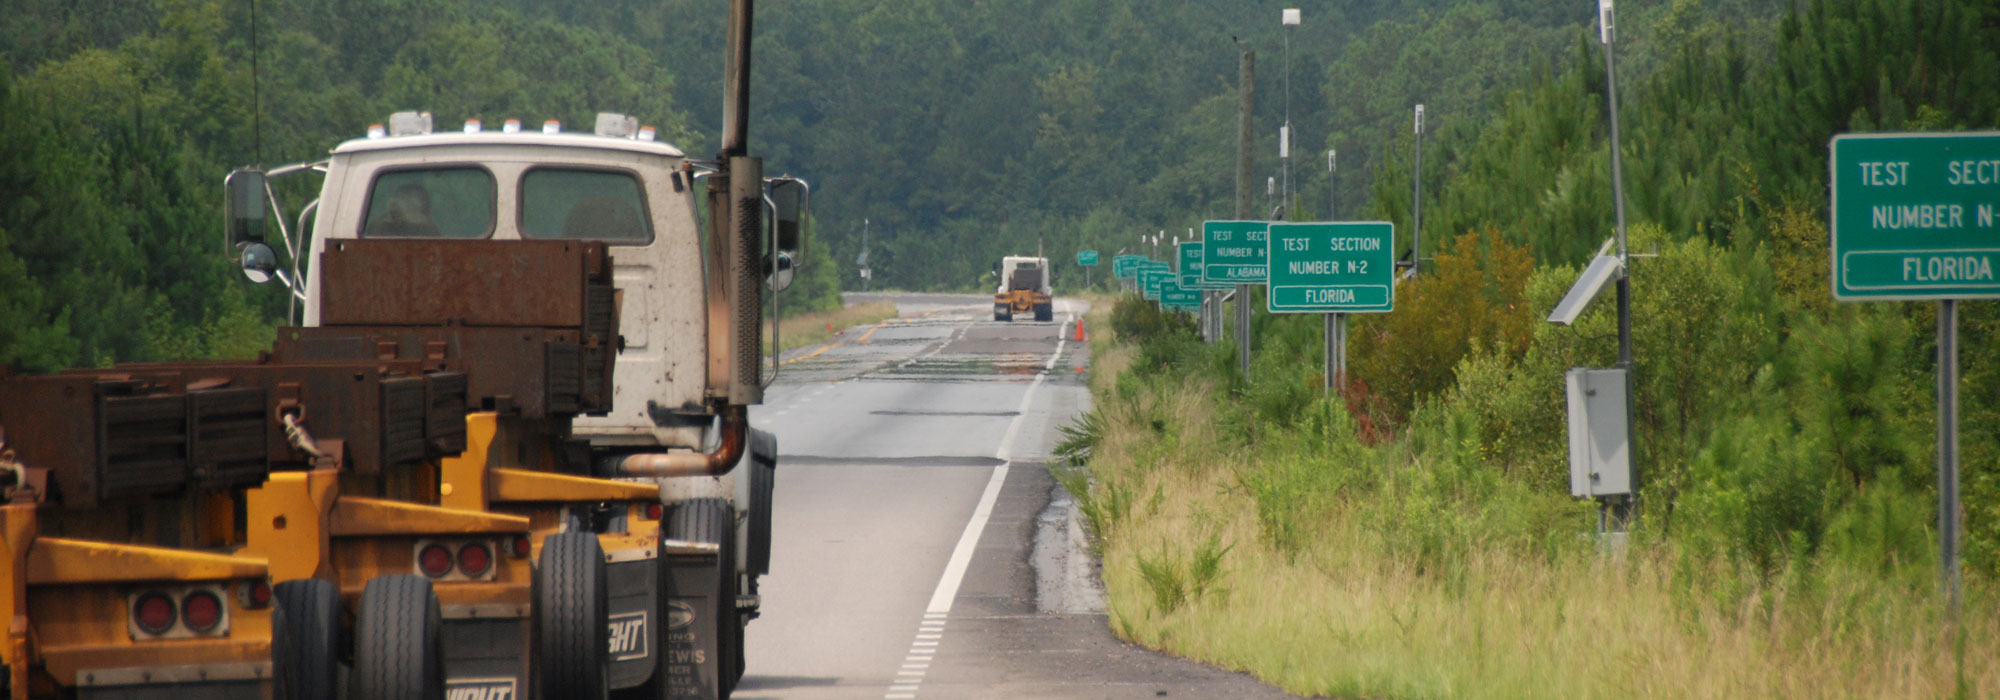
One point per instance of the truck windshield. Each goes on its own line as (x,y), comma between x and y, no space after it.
(596,205)
(454,202)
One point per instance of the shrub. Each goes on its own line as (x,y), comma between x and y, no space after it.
(1471,297)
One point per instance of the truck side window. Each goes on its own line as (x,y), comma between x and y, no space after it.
(431,203)
(595,205)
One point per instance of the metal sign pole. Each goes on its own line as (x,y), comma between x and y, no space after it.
(1332,354)
(1947,448)
(1243,329)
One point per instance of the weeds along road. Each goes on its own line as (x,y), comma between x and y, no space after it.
(921,549)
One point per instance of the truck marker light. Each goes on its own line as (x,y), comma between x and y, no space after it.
(475,559)
(153,612)
(259,594)
(472,126)
(654,511)
(375,131)
(434,561)
(646,133)
(521,545)
(511,126)
(202,611)
(551,127)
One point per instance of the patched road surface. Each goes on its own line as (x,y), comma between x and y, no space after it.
(921,549)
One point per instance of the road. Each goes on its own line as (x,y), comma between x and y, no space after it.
(921,548)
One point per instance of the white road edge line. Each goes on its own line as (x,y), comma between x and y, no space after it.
(961,554)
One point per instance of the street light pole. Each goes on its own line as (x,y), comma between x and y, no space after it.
(1606,33)
(1417,202)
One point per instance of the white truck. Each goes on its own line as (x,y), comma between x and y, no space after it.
(1024,289)
(689,359)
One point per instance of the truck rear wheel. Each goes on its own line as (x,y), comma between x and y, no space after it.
(398,641)
(572,618)
(305,640)
(713,521)
(1045,312)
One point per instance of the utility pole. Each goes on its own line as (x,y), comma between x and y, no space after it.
(1606,32)
(1246,76)
(1417,202)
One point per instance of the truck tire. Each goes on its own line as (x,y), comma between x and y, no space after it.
(305,640)
(997,316)
(398,641)
(572,618)
(1045,312)
(713,521)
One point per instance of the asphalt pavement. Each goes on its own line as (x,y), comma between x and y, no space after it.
(921,549)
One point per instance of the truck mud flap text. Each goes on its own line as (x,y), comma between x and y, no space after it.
(689,655)
(634,589)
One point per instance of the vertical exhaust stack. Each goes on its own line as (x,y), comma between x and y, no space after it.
(736,200)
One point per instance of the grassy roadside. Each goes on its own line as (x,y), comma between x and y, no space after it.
(1285,547)
(813,328)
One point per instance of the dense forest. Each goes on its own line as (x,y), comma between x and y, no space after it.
(960,131)
(963,131)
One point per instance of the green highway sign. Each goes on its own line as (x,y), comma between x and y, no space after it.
(1086,258)
(1125,267)
(1149,283)
(1233,252)
(1914,216)
(1172,294)
(1190,270)
(1151,276)
(1340,267)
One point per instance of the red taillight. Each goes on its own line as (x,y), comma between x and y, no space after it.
(153,613)
(521,545)
(474,560)
(260,594)
(654,511)
(434,561)
(201,610)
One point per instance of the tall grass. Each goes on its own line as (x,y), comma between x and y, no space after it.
(1256,531)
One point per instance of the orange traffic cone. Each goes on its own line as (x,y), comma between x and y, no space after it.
(1079,329)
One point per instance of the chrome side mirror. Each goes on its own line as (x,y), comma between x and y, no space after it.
(260,263)
(783,269)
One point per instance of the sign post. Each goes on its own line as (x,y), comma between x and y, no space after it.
(1914,219)
(1086,259)
(1233,253)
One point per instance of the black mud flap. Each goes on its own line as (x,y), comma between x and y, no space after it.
(690,655)
(486,659)
(634,588)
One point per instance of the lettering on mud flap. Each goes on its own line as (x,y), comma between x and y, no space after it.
(628,636)
(480,689)
(684,656)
